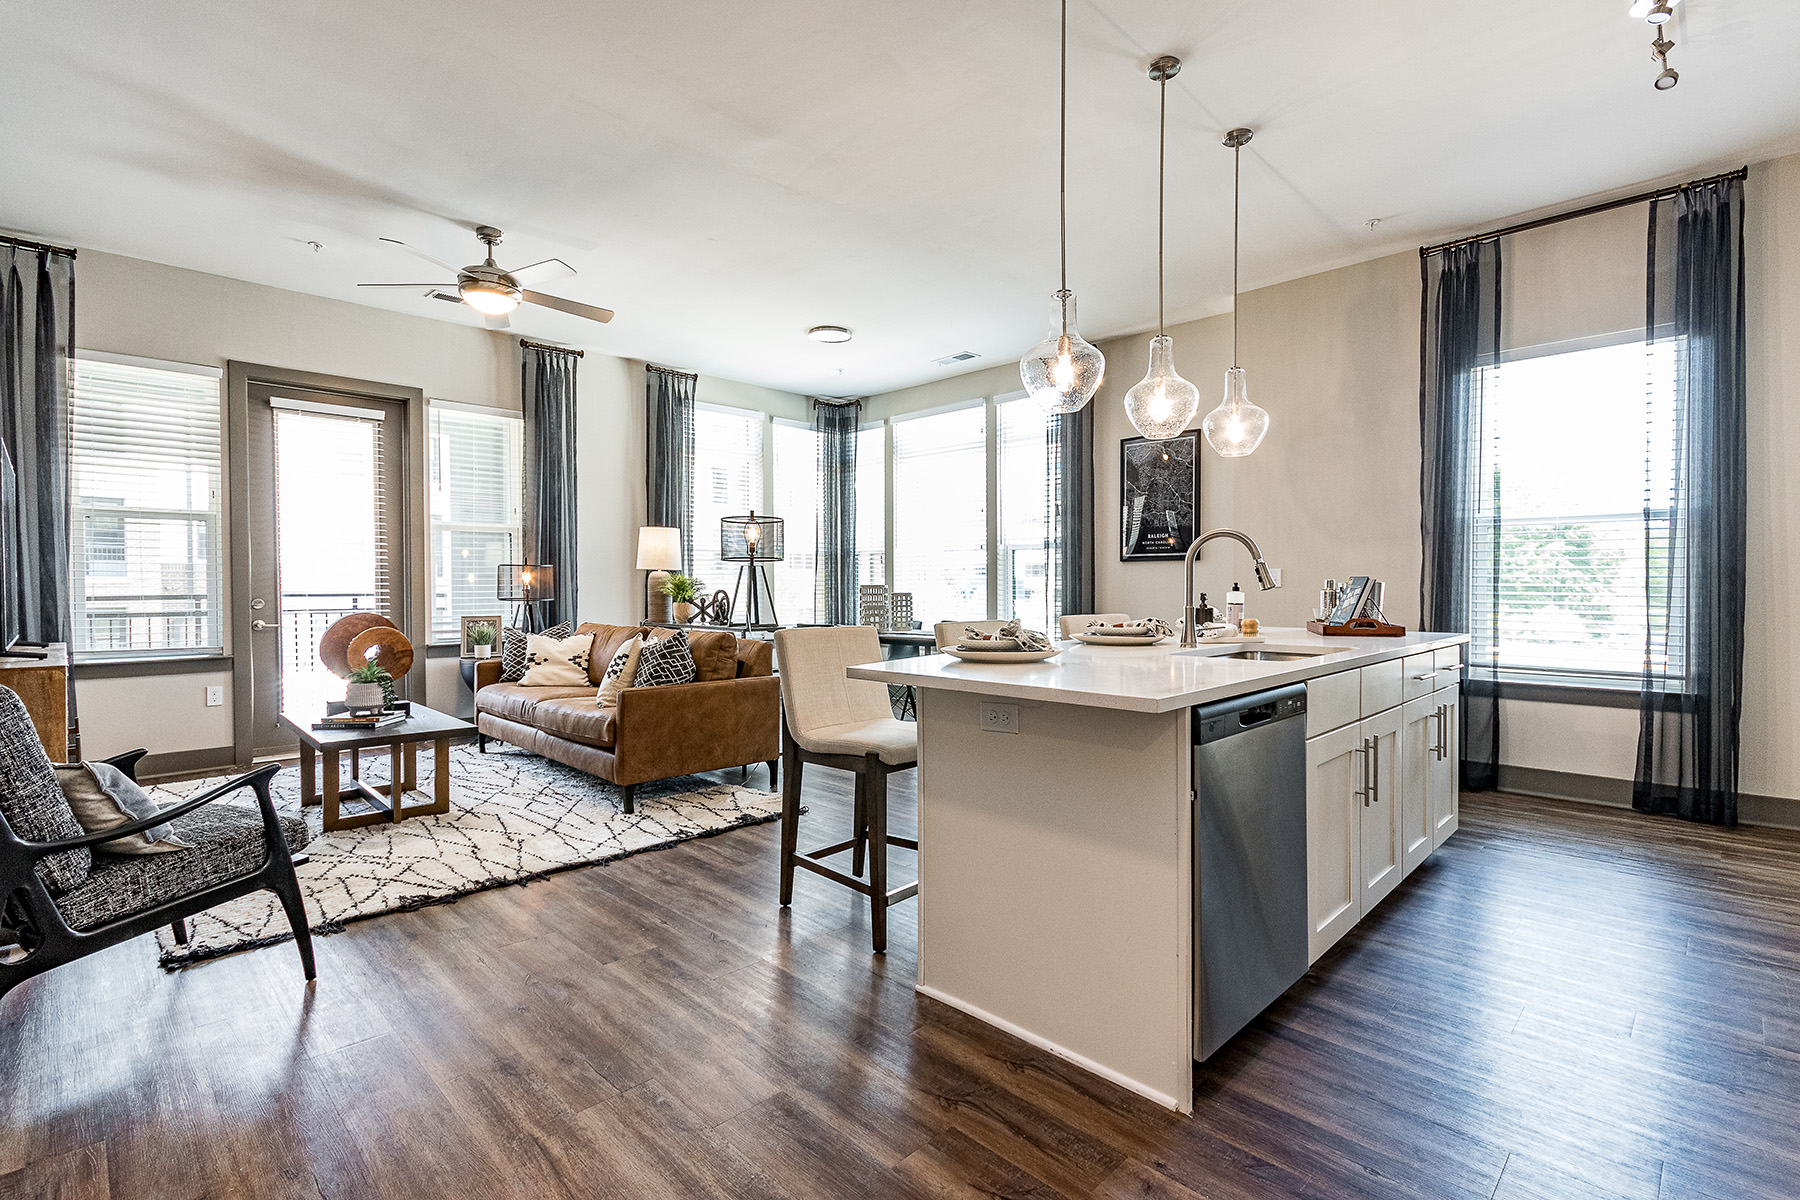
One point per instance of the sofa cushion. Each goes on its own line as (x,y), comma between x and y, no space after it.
(665,661)
(897,742)
(557,662)
(622,671)
(607,640)
(755,659)
(516,701)
(579,719)
(715,654)
(514,648)
(227,841)
(31,800)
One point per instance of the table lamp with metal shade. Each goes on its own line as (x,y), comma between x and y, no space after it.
(659,552)
(753,541)
(526,585)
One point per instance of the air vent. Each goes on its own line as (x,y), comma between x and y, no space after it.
(952,359)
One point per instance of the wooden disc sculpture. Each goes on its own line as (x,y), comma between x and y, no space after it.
(385,645)
(334,647)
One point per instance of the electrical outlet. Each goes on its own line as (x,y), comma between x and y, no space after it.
(215,695)
(999,718)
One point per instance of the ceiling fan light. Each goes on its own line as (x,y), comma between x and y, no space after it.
(489,299)
(831,335)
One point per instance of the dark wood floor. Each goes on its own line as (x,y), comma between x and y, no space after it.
(1566,1002)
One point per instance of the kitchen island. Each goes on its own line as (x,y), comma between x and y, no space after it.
(1057,845)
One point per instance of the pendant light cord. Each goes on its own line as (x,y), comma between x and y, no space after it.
(1062,162)
(1237,170)
(1162,146)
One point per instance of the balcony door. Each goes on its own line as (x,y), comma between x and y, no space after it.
(327,528)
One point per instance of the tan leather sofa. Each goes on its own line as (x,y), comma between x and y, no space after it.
(729,717)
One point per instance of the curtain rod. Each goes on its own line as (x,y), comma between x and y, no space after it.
(670,371)
(1589,211)
(838,402)
(547,346)
(43,247)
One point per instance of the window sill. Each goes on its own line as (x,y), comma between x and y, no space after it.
(123,668)
(1556,690)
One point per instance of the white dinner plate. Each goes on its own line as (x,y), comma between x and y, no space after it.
(1116,639)
(1001,656)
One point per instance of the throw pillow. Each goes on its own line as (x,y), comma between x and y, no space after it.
(104,797)
(557,661)
(621,673)
(665,662)
(515,645)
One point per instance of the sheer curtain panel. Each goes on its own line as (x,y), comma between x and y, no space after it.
(1688,714)
(550,536)
(669,454)
(37,320)
(1458,486)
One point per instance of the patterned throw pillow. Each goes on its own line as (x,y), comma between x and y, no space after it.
(621,673)
(513,646)
(668,661)
(557,662)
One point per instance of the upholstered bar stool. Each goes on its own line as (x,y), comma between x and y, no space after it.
(831,720)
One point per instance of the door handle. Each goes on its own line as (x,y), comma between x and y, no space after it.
(1375,768)
(1362,793)
(259,625)
(1368,774)
(1442,749)
(1424,677)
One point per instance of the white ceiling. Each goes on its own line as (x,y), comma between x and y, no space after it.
(725,174)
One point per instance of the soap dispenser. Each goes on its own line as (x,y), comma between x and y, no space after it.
(1234,605)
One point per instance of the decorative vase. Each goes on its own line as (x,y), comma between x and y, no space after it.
(364,695)
(684,612)
(484,650)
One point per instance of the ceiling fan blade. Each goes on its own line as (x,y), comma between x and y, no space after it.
(574,307)
(498,321)
(542,272)
(415,250)
(427,286)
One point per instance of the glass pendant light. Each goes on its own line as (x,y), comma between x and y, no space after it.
(1063,371)
(1162,403)
(1236,427)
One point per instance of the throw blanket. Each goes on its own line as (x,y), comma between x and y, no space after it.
(1144,625)
(1011,636)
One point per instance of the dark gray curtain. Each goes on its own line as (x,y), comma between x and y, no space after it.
(1460,334)
(836,423)
(549,400)
(37,322)
(669,455)
(1072,511)
(1694,535)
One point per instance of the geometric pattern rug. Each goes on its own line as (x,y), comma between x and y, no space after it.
(514,817)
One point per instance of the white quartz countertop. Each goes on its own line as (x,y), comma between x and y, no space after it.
(1152,679)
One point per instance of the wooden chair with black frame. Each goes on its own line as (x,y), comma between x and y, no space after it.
(832,720)
(66,896)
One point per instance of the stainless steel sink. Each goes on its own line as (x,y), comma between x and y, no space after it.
(1273,655)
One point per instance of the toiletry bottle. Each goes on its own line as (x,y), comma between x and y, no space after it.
(1203,613)
(1234,605)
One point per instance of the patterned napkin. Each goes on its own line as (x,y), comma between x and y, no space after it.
(1143,626)
(1011,636)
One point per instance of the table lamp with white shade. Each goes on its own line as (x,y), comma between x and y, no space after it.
(659,552)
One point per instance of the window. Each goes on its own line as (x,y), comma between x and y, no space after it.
(145,527)
(1026,561)
(940,514)
(871,504)
(1557,551)
(728,482)
(796,502)
(477,485)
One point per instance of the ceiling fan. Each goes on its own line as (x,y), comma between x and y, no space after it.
(493,292)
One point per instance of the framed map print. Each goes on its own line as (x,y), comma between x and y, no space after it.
(1159,483)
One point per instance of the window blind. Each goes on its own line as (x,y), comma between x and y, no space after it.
(871,504)
(940,514)
(476,471)
(145,518)
(1574,463)
(1027,487)
(796,501)
(727,482)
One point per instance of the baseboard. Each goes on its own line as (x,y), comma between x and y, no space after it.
(1777,812)
(177,764)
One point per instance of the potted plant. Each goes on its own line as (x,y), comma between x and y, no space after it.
(371,688)
(481,640)
(684,592)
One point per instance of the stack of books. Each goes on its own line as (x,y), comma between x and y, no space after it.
(344,720)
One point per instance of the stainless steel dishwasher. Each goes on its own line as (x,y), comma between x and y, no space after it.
(1249,858)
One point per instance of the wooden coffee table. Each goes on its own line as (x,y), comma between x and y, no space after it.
(402,743)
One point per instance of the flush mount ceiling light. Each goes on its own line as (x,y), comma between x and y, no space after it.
(1063,371)
(1237,427)
(831,335)
(1161,403)
(1654,11)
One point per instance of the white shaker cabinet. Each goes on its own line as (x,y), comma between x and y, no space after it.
(1418,776)
(1380,807)
(1445,767)
(1334,772)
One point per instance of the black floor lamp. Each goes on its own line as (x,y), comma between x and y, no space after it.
(753,541)
(526,585)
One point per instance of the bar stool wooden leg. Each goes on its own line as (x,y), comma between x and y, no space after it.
(859,824)
(877,814)
(790,814)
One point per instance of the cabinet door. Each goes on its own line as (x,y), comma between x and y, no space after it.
(1334,765)
(1418,758)
(1446,777)
(1380,809)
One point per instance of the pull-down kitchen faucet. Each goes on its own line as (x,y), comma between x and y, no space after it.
(1264,577)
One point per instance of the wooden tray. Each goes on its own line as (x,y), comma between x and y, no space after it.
(1357,627)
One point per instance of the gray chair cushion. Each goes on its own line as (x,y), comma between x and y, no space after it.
(33,802)
(227,843)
